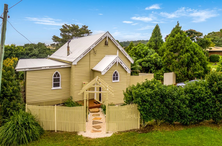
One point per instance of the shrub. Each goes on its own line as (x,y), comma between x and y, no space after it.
(71,103)
(214,58)
(219,67)
(21,128)
(103,106)
(201,102)
(214,80)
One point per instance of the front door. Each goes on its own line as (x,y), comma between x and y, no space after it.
(100,94)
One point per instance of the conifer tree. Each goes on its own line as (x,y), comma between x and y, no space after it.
(131,45)
(182,56)
(156,40)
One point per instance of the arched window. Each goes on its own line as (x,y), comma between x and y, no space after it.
(115,76)
(56,80)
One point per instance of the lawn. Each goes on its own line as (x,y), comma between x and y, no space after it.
(200,135)
(212,65)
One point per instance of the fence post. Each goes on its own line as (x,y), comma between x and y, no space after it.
(138,118)
(55,119)
(84,110)
(107,106)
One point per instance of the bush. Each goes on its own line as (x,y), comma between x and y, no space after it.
(214,80)
(214,58)
(103,106)
(71,103)
(21,128)
(219,67)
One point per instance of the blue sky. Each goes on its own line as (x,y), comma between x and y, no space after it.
(39,20)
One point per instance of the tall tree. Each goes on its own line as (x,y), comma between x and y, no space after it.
(156,40)
(69,31)
(10,98)
(193,34)
(131,45)
(147,58)
(184,57)
(216,38)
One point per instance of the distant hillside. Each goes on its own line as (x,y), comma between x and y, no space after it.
(126,43)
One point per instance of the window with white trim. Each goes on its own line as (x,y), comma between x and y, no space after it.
(56,81)
(115,76)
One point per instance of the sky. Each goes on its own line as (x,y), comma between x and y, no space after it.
(126,20)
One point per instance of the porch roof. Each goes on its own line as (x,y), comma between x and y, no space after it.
(107,62)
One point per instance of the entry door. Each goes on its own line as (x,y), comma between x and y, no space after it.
(100,94)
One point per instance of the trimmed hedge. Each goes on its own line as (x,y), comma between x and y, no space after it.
(214,58)
(196,102)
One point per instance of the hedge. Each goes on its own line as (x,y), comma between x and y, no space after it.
(214,58)
(196,102)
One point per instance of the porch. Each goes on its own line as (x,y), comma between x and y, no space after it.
(92,103)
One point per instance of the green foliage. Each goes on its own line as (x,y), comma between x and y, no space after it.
(219,67)
(39,50)
(21,128)
(127,43)
(214,80)
(71,103)
(216,38)
(69,31)
(131,45)
(10,98)
(146,58)
(103,106)
(193,34)
(214,58)
(155,41)
(201,102)
(184,57)
(197,101)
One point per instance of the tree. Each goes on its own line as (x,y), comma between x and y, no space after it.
(156,40)
(69,31)
(10,98)
(131,45)
(182,56)
(193,34)
(216,38)
(147,58)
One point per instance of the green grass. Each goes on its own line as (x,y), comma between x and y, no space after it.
(196,136)
(211,64)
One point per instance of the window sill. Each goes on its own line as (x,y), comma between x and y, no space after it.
(55,88)
(115,81)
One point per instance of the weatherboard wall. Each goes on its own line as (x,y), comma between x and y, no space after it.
(83,73)
(39,87)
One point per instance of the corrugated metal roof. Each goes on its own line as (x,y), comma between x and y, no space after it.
(107,62)
(215,49)
(39,64)
(77,47)
(108,59)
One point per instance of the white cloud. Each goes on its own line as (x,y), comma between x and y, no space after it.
(155,6)
(127,22)
(145,19)
(146,27)
(100,14)
(200,16)
(46,21)
(196,15)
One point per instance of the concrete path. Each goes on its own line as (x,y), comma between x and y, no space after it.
(96,126)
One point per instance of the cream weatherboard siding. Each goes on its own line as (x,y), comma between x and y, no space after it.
(82,72)
(39,87)
(118,87)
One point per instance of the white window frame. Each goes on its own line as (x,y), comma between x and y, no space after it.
(118,76)
(60,77)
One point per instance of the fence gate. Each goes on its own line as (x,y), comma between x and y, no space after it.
(59,117)
(122,118)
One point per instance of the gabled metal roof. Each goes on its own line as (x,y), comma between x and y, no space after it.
(79,47)
(39,64)
(107,62)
